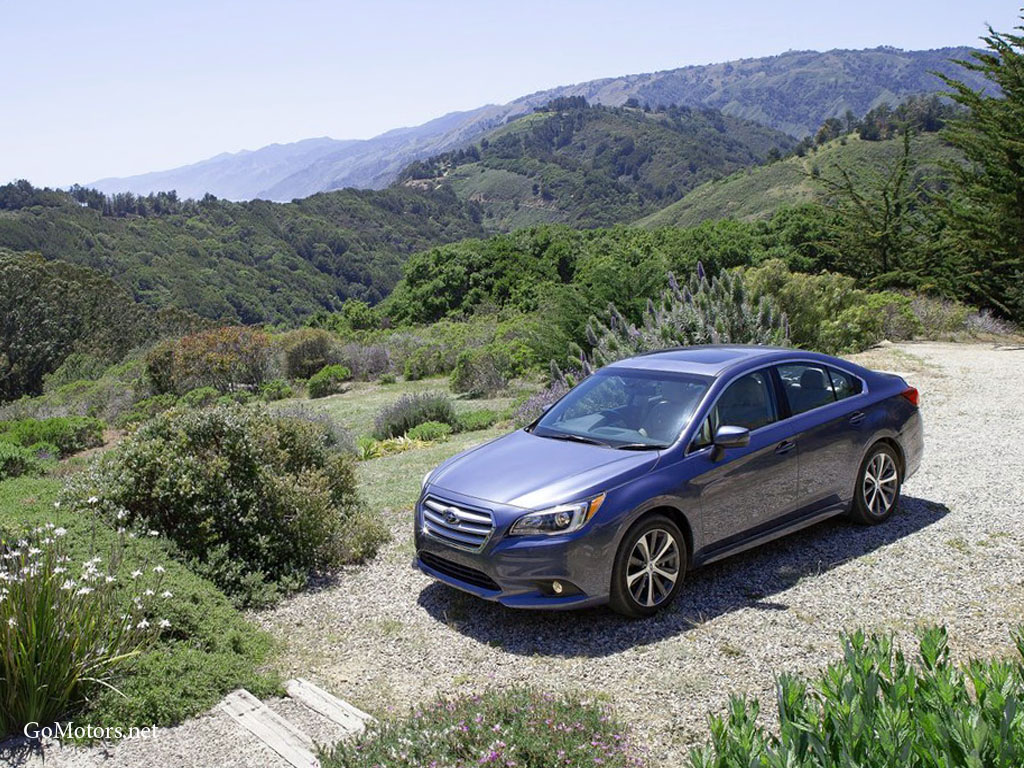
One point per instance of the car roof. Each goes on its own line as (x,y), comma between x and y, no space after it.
(709,359)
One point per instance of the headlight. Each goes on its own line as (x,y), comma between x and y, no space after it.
(426,478)
(564,518)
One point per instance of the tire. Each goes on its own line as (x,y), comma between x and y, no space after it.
(652,587)
(879,482)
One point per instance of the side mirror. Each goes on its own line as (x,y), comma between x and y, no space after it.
(729,437)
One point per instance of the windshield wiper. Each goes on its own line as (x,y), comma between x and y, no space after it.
(641,447)
(575,438)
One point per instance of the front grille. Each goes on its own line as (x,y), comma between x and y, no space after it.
(460,572)
(456,526)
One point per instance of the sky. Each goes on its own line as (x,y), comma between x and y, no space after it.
(118,88)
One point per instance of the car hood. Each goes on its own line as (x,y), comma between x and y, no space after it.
(523,470)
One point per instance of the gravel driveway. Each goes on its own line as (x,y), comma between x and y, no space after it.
(388,637)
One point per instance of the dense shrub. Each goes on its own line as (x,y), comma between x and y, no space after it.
(329,380)
(307,350)
(939,317)
(471,421)
(223,358)
(64,633)
(275,389)
(199,398)
(486,370)
(512,727)
(875,707)
(430,430)
(17,460)
(70,435)
(257,502)
(399,417)
(147,408)
(366,361)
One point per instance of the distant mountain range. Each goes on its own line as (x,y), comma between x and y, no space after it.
(793,93)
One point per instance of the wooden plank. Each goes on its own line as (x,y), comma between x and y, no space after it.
(334,709)
(270,728)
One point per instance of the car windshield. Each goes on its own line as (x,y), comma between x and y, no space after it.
(625,408)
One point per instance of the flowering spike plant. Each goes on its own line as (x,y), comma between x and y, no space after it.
(66,627)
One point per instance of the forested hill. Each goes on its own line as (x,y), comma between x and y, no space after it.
(592,166)
(251,262)
(793,92)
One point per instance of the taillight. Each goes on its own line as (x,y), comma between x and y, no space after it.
(910,393)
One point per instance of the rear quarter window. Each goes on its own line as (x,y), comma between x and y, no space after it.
(844,384)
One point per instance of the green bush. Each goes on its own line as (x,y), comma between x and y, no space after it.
(482,371)
(17,460)
(64,634)
(329,380)
(387,378)
(254,501)
(238,397)
(147,408)
(70,434)
(874,707)
(430,430)
(275,389)
(308,350)
(471,421)
(199,398)
(513,727)
(939,317)
(399,417)
(424,362)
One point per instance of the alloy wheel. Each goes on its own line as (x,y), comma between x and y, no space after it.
(653,567)
(881,484)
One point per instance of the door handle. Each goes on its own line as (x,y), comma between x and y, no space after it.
(785,447)
(857,417)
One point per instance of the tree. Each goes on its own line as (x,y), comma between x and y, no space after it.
(984,211)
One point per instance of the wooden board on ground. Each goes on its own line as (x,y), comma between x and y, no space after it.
(341,712)
(270,728)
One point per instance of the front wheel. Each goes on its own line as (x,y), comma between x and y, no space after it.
(878,486)
(649,567)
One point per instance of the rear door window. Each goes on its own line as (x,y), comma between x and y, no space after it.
(807,386)
(747,402)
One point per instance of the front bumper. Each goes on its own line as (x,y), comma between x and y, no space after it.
(518,571)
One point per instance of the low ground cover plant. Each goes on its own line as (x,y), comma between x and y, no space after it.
(207,650)
(515,727)
(67,625)
(876,707)
(429,431)
(16,460)
(257,502)
(471,421)
(396,419)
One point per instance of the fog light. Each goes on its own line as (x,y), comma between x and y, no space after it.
(556,587)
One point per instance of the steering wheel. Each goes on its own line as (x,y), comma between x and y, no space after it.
(613,419)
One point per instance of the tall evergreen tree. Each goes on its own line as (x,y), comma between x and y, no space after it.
(984,212)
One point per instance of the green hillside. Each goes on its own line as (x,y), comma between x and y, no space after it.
(594,166)
(251,262)
(757,193)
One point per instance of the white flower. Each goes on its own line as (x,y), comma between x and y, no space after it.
(136,574)
(69,584)
(158,569)
(32,551)
(121,514)
(164,624)
(94,500)
(56,505)
(154,533)
(58,570)
(109,579)
(84,591)
(149,593)
(11,622)
(142,624)
(165,594)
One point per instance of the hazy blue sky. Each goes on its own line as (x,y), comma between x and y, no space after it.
(117,88)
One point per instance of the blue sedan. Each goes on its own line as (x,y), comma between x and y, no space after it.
(661,463)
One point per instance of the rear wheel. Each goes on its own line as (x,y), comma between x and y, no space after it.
(878,486)
(649,567)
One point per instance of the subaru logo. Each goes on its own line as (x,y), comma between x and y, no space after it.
(451,516)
